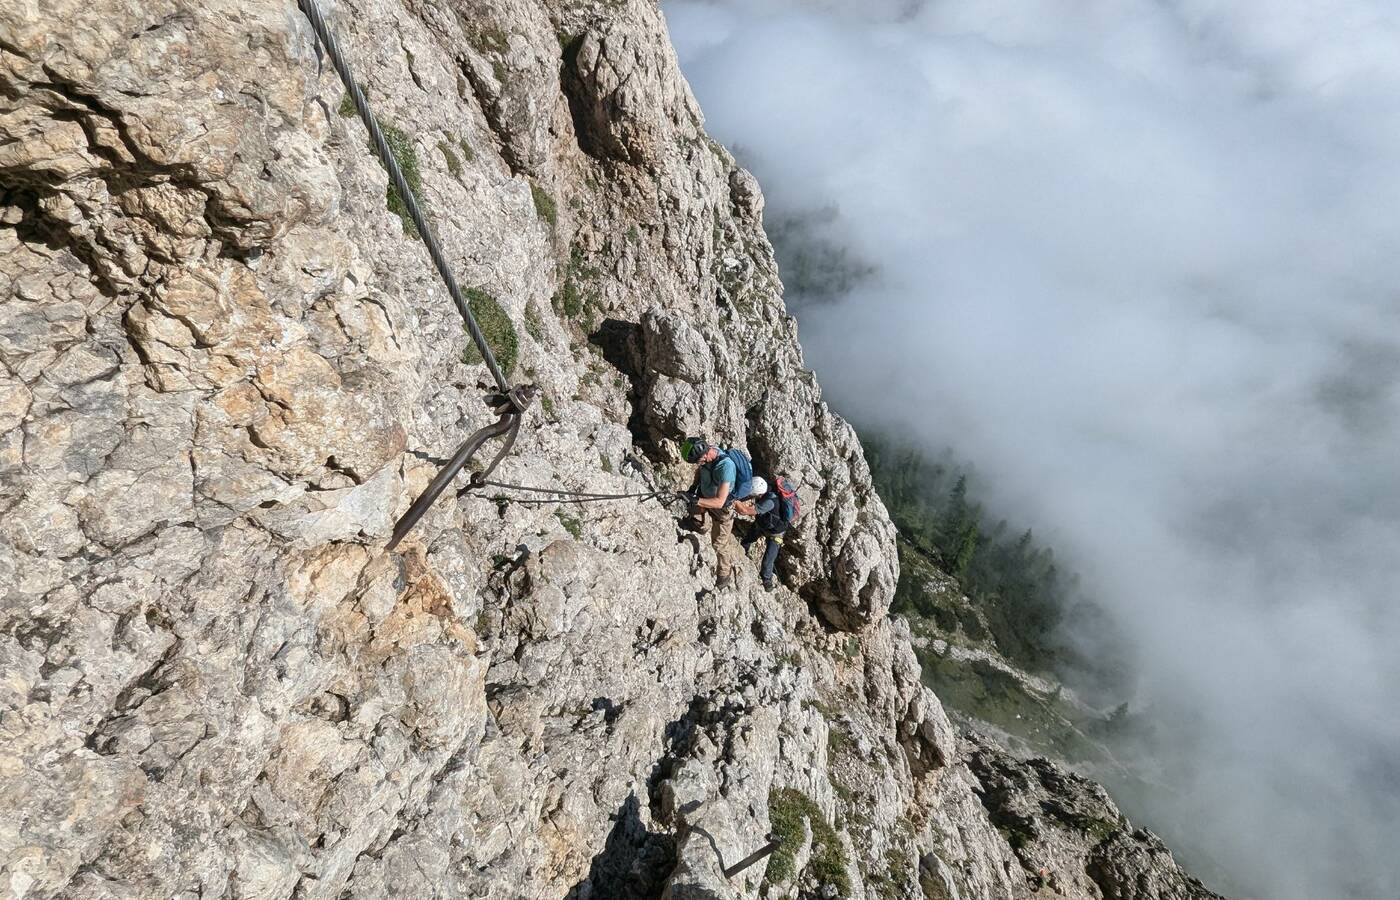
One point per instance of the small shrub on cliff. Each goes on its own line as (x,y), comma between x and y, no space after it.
(568,299)
(496,327)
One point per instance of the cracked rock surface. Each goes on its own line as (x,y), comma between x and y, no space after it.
(225,370)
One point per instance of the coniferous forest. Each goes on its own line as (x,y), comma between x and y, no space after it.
(1016,582)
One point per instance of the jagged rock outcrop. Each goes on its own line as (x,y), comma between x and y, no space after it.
(226,370)
(1067,831)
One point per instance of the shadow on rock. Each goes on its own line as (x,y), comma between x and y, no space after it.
(634,863)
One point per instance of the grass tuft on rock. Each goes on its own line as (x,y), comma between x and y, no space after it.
(401,146)
(489,39)
(534,326)
(787,810)
(347,107)
(496,327)
(578,297)
(544,205)
(571,524)
(454,165)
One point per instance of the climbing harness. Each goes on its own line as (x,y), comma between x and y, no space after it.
(510,402)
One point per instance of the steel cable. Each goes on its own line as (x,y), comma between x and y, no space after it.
(410,202)
(561,495)
(509,423)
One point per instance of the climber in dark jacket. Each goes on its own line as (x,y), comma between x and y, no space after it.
(763,504)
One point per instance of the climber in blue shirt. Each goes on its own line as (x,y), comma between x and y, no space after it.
(712,494)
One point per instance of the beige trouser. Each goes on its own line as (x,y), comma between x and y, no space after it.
(727,551)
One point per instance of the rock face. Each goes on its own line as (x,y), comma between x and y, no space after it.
(226,370)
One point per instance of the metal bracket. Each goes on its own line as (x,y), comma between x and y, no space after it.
(760,853)
(509,407)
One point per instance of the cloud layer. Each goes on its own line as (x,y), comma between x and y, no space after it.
(1140,261)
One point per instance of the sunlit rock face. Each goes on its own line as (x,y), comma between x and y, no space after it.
(228,368)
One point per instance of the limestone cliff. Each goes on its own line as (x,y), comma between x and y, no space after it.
(227,369)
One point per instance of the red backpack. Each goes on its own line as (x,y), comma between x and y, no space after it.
(789,505)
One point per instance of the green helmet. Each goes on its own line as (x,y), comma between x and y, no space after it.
(692,448)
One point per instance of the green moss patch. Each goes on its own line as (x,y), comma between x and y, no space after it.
(496,327)
(491,40)
(1096,828)
(787,810)
(347,107)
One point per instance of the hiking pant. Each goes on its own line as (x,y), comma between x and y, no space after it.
(722,535)
(770,551)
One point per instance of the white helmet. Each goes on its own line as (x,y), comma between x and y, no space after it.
(760,487)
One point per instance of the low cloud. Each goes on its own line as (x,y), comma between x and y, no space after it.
(1139,261)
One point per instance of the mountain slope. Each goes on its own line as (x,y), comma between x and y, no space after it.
(227,369)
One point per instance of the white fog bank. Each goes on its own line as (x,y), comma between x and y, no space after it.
(1140,262)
